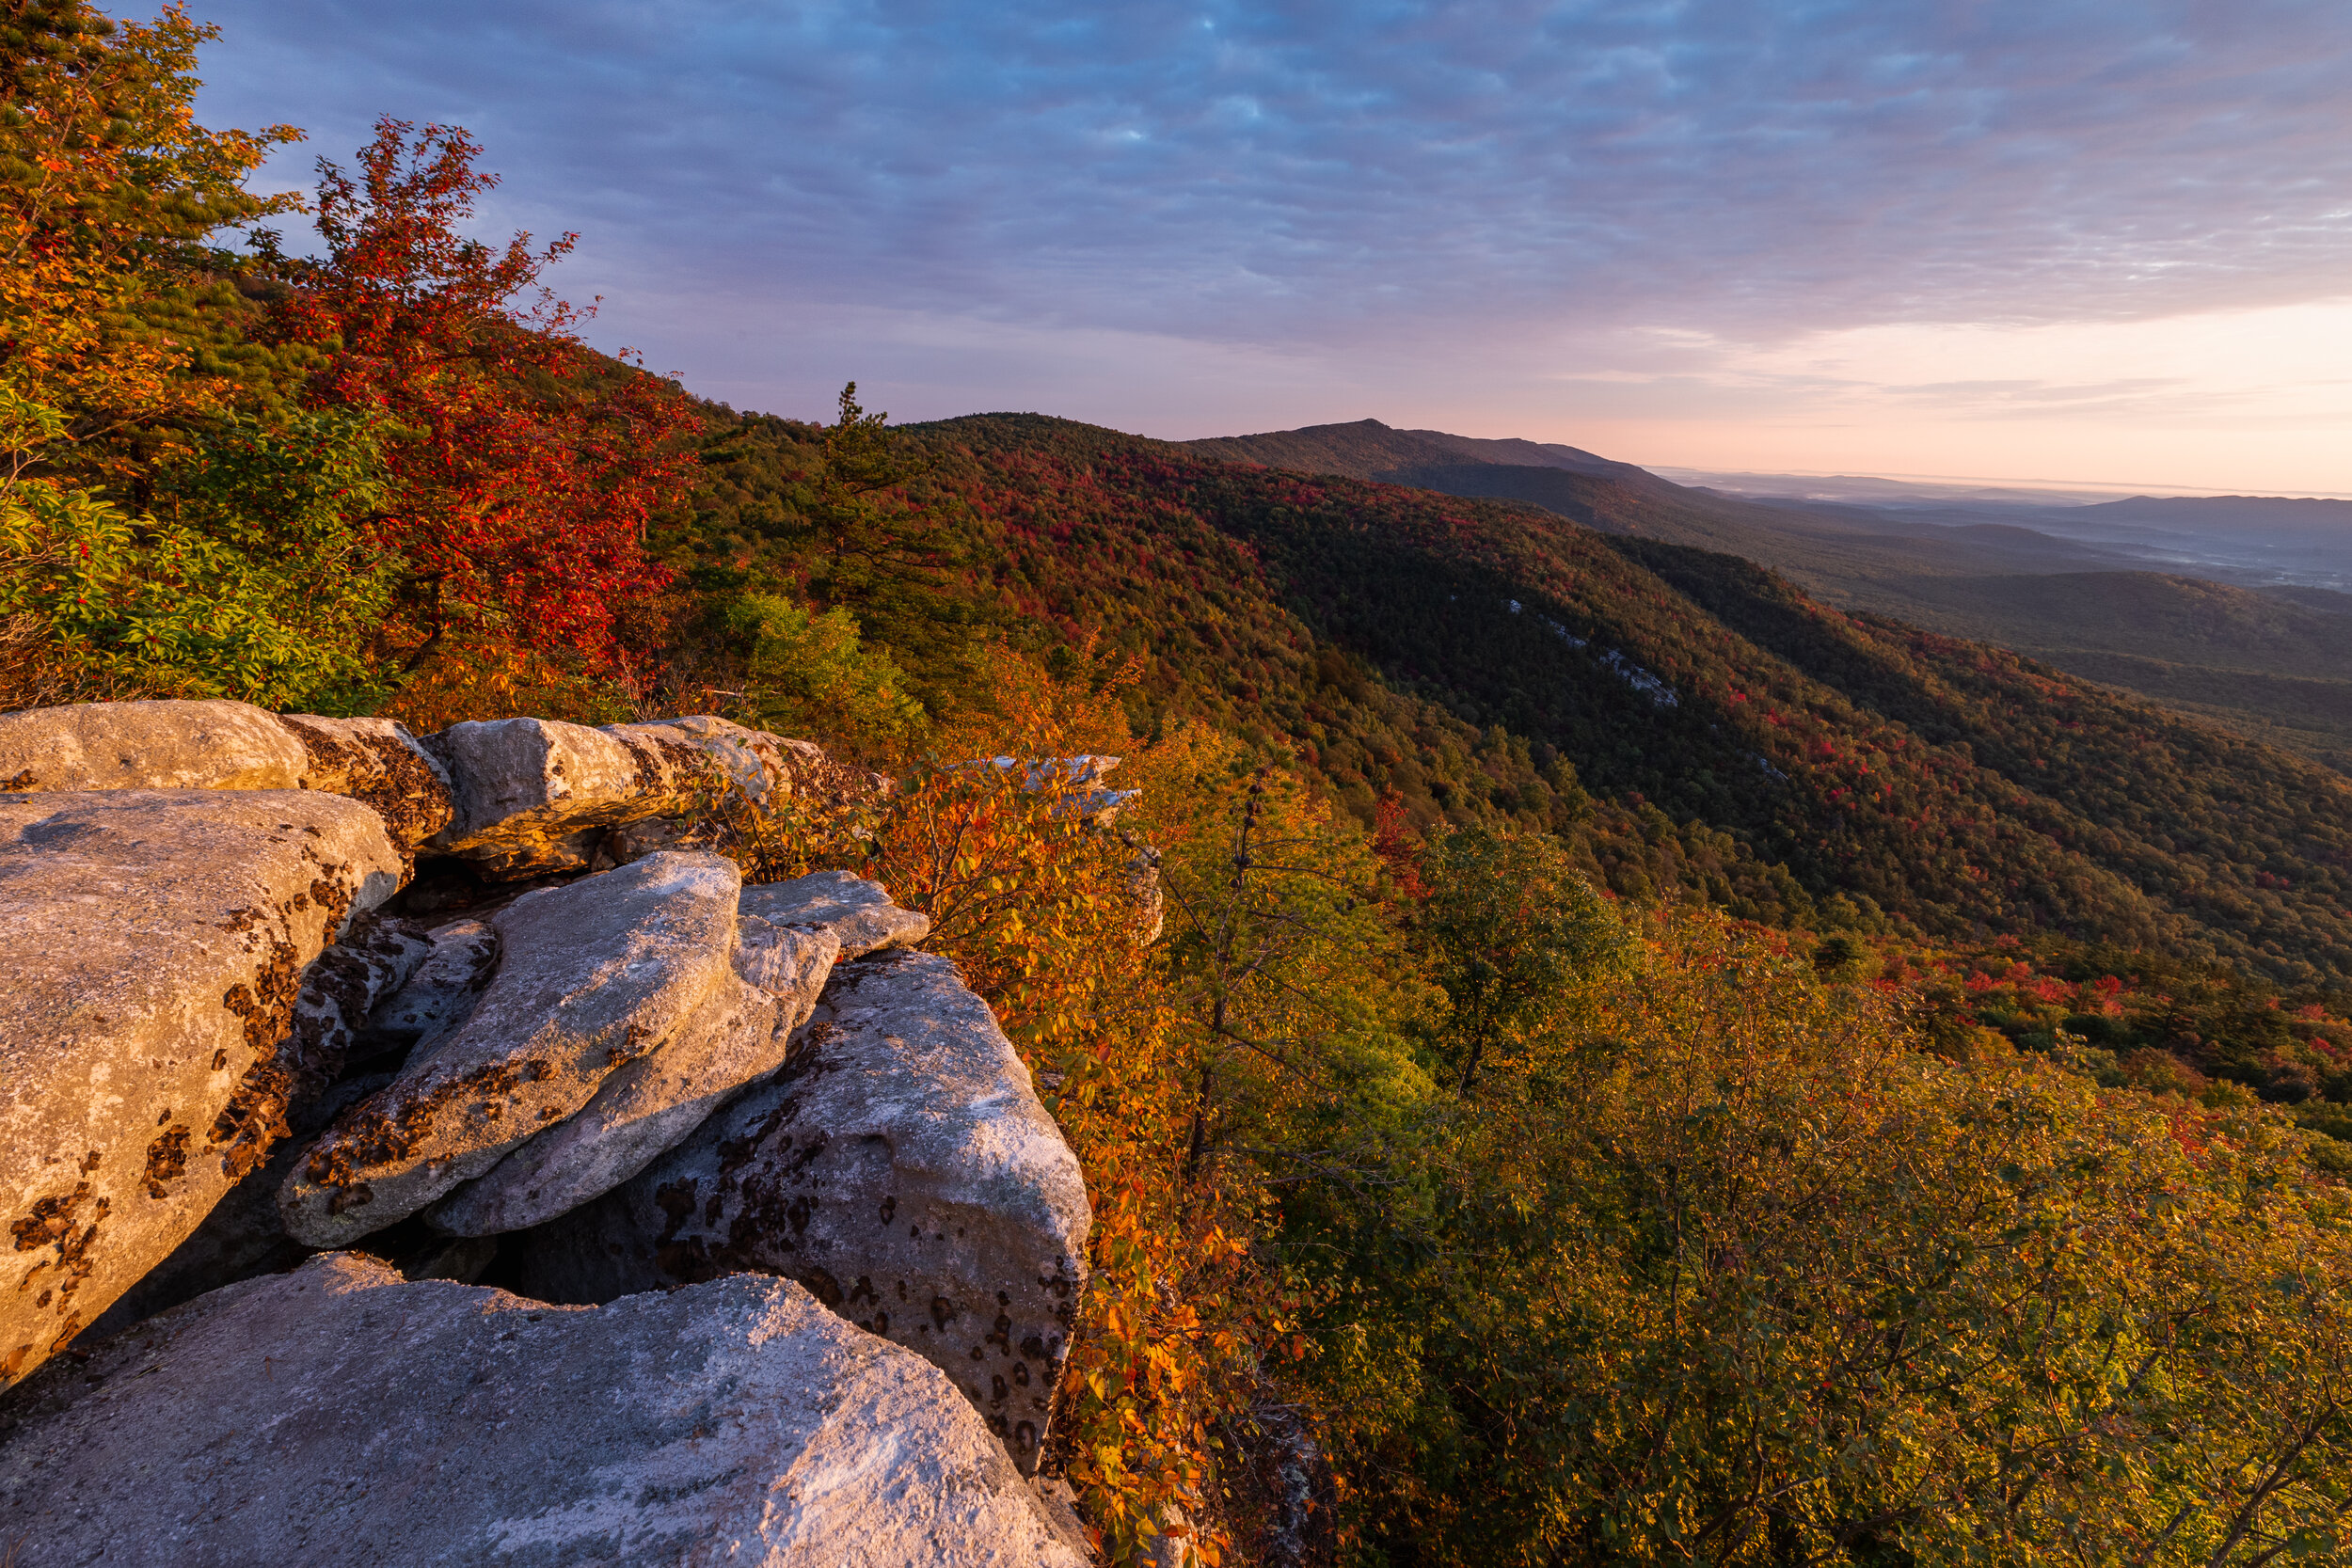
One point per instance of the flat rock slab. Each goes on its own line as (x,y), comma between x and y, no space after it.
(224,745)
(341,1414)
(158,745)
(153,946)
(738,1034)
(858,912)
(595,975)
(901,1167)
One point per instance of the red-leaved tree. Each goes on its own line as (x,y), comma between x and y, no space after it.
(525,467)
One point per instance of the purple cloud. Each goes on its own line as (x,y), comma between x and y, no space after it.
(1298,177)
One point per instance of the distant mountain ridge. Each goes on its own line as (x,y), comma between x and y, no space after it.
(1366,449)
(2070,585)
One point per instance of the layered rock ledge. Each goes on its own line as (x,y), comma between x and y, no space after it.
(484,1003)
(340,1413)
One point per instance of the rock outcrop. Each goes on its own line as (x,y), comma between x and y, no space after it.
(160,745)
(218,744)
(537,794)
(858,912)
(443,990)
(595,975)
(339,1414)
(736,1033)
(901,1167)
(818,1248)
(378,762)
(151,949)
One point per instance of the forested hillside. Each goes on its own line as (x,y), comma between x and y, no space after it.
(2267,662)
(1492,662)
(1579,1053)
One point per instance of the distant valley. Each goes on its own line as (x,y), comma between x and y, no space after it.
(2232,609)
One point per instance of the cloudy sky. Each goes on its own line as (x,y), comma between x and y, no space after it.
(2088,239)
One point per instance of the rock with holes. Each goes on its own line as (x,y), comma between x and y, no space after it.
(152,944)
(901,1167)
(738,1034)
(376,761)
(340,1413)
(858,912)
(157,745)
(594,976)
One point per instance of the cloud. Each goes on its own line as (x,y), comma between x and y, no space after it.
(1270,171)
(1351,198)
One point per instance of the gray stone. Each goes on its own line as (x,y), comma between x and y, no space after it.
(901,1167)
(858,912)
(371,962)
(152,944)
(219,744)
(158,745)
(764,768)
(444,989)
(595,975)
(537,794)
(340,1415)
(737,1034)
(378,762)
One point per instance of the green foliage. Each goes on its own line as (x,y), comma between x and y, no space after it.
(824,515)
(1723,1271)
(217,591)
(806,673)
(1513,935)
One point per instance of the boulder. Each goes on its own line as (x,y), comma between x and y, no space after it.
(380,763)
(765,768)
(442,992)
(224,745)
(372,960)
(536,795)
(595,975)
(858,912)
(900,1166)
(152,944)
(341,1414)
(738,1034)
(243,1236)
(157,745)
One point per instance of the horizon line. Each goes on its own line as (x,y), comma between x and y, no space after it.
(2142,487)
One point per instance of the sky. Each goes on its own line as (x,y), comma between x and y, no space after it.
(2093,240)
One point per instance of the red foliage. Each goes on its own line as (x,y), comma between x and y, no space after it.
(1397,845)
(525,467)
